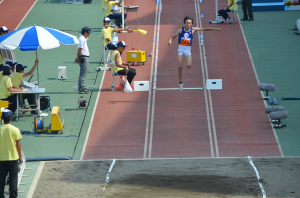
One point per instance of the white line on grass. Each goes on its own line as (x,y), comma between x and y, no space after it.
(35,180)
(92,118)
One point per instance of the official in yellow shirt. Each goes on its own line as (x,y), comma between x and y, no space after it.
(11,64)
(106,34)
(231,7)
(10,153)
(106,6)
(6,88)
(120,67)
(16,79)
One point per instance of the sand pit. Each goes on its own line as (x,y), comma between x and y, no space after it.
(211,178)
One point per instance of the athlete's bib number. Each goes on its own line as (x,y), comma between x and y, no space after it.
(185,42)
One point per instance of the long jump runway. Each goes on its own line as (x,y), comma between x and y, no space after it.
(193,123)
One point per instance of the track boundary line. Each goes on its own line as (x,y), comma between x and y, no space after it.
(159,3)
(150,91)
(35,180)
(1,1)
(93,114)
(262,95)
(199,24)
(209,95)
(26,14)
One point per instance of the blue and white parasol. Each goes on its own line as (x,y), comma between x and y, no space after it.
(30,38)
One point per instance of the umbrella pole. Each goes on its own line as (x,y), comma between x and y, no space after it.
(37,69)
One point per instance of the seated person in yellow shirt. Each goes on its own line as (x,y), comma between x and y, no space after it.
(6,88)
(107,6)
(11,64)
(16,80)
(119,67)
(106,34)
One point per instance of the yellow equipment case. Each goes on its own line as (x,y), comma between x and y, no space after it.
(136,56)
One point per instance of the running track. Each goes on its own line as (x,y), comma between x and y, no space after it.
(12,19)
(193,123)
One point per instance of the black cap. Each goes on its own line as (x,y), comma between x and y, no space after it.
(6,115)
(122,44)
(6,68)
(86,29)
(20,67)
(4,29)
(11,63)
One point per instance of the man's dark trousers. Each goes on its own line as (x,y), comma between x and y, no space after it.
(84,64)
(247,9)
(10,167)
(130,75)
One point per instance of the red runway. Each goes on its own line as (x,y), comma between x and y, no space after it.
(193,123)
(11,19)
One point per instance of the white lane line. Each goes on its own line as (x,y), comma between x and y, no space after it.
(159,2)
(150,91)
(107,175)
(93,114)
(178,88)
(26,14)
(35,180)
(209,96)
(1,1)
(258,178)
(199,24)
(262,95)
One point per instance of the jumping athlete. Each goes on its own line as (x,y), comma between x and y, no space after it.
(185,42)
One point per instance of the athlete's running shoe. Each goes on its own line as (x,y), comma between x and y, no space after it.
(180,86)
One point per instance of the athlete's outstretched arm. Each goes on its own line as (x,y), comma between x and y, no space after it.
(205,29)
(174,36)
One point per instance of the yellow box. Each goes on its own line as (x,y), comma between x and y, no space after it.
(57,120)
(136,56)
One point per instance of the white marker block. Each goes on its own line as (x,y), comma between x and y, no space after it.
(141,85)
(213,83)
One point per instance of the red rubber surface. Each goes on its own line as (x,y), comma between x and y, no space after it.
(118,129)
(180,126)
(13,11)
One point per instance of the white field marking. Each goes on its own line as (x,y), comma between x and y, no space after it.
(150,91)
(35,180)
(209,95)
(177,88)
(262,95)
(155,74)
(107,175)
(26,14)
(1,1)
(94,111)
(258,178)
(205,93)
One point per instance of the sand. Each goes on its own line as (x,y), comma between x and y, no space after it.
(211,178)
